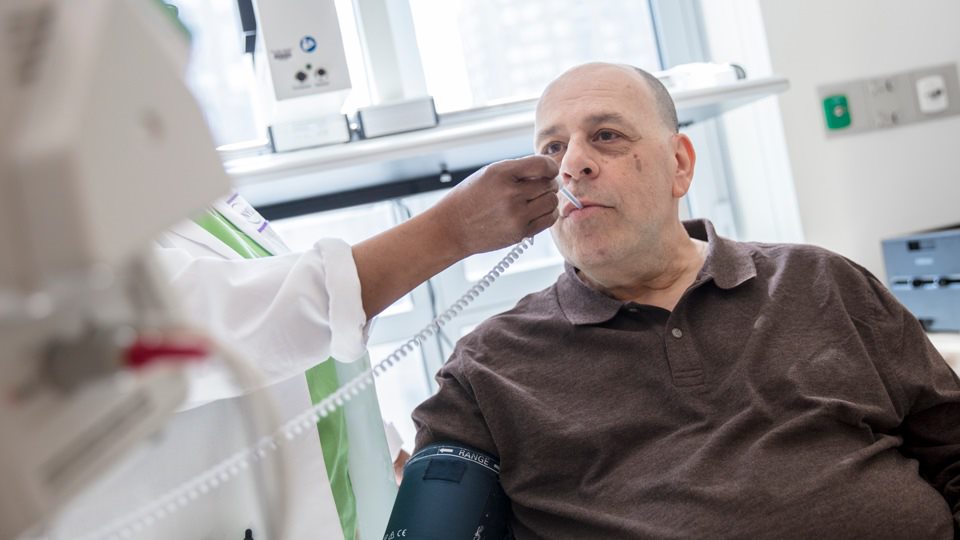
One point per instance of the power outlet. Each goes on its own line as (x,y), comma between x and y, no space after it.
(937,91)
(932,95)
(885,100)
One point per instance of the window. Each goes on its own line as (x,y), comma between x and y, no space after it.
(512,49)
(219,74)
(353,225)
(401,389)
(222,77)
(485,52)
(542,254)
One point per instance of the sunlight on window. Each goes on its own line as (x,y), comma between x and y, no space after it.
(483,52)
(401,389)
(360,95)
(542,254)
(220,75)
(351,225)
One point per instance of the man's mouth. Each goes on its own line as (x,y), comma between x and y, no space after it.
(568,208)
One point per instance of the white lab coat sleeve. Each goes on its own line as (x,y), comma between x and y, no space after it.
(286,313)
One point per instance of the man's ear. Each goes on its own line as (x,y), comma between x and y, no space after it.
(686,159)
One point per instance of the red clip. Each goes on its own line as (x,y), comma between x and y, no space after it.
(144,352)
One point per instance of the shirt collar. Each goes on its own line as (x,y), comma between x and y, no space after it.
(728,264)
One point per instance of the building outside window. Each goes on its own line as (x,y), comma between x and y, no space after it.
(486,52)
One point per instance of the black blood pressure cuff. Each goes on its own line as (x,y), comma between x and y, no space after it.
(450,491)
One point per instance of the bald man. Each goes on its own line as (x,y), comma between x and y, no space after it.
(676,384)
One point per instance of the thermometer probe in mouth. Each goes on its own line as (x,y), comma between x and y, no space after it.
(566,193)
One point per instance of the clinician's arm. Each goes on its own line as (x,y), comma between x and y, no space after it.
(291,311)
(495,207)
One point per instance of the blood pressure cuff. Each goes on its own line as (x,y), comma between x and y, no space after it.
(450,491)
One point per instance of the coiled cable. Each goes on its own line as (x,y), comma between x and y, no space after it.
(132,524)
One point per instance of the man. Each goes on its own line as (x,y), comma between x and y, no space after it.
(676,384)
(288,312)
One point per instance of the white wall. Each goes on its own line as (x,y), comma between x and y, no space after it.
(762,187)
(855,190)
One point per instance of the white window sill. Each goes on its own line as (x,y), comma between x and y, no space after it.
(457,143)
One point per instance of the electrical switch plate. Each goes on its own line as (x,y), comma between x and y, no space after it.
(892,100)
(888,97)
(837,111)
(932,94)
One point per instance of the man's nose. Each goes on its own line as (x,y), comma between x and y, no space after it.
(578,163)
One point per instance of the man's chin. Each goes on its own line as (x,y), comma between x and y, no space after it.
(587,257)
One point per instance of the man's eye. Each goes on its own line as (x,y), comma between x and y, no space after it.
(606,135)
(552,148)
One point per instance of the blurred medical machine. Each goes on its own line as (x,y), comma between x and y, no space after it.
(103,147)
(923,272)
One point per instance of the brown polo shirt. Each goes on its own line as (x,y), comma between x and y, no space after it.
(788,395)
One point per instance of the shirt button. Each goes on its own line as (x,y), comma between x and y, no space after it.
(677,333)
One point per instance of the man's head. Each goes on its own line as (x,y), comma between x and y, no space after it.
(613,131)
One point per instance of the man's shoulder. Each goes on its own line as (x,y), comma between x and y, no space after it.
(804,257)
(822,272)
(537,307)
(785,250)
(532,313)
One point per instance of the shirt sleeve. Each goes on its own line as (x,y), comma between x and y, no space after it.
(452,414)
(927,391)
(286,313)
(931,429)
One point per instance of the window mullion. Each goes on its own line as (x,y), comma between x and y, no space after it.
(682,39)
(390,48)
(679,32)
